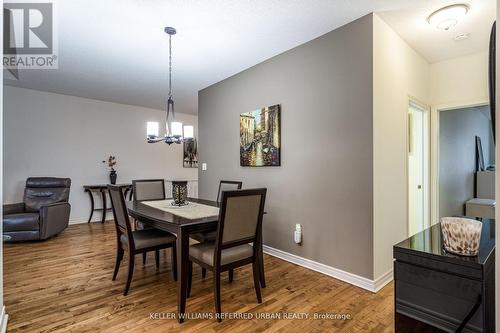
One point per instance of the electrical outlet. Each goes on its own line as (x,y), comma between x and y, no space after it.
(204,166)
(297,235)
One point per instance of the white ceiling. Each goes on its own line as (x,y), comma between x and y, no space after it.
(437,45)
(116,50)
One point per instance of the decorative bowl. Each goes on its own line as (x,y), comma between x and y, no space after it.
(461,235)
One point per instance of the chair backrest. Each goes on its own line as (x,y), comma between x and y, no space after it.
(148,189)
(240,218)
(41,191)
(122,222)
(228,185)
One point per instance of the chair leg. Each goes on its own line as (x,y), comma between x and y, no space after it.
(203,272)
(174,262)
(231,275)
(256,281)
(217,295)
(190,278)
(130,273)
(119,257)
(144,258)
(157,258)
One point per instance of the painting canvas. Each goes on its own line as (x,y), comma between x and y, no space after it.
(260,137)
(190,159)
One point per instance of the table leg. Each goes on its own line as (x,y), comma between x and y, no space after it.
(104,208)
(91,205)
(182,272)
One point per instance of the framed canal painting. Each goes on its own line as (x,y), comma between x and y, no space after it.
(260,137)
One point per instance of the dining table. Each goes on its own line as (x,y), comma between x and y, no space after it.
(181,226)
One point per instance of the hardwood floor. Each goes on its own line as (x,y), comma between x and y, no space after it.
(64,285)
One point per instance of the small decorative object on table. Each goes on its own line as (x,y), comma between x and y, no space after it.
(179,193)
(461,235)
(111,165)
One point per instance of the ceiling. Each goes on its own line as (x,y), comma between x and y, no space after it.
(437,45)
(116,50)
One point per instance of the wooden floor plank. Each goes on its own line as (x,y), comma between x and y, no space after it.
(64,285)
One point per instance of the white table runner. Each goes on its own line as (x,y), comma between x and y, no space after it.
(190,211)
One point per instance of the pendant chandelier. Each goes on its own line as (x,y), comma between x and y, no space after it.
(176,133)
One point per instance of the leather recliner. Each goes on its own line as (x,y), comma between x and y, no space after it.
(43,213)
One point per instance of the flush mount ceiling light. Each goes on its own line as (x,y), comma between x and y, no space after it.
(448,16)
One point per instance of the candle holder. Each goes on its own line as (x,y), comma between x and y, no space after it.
(179,193)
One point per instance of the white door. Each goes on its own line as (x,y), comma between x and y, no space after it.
(418,161)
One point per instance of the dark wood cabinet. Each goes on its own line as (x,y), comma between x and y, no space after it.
(438,291)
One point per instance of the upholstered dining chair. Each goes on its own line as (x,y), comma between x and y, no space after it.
(224,185)
(148,189)
(240,223)
(136,241)
(144,190)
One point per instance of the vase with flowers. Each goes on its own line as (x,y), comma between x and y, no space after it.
(111,162)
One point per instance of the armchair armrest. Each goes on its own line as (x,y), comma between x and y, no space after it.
(15,208)
(54,218)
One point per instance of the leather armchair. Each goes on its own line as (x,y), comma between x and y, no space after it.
(43,213)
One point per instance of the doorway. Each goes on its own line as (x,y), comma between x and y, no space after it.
(418,168)
(460,177)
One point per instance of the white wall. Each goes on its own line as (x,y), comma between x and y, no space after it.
(48,134)
(454,83)
(398,73)
(459,81)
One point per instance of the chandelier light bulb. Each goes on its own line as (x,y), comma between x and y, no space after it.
(176,129)
(152,129)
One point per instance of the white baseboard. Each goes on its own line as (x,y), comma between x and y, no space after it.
(359,281)
(4,318)
(85,219)
(383,280)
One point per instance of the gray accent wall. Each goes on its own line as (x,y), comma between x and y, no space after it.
(325,182)
(457,148)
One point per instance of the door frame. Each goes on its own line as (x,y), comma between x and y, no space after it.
(427,179)
(434,129)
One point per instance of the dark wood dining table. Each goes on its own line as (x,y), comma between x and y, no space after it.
(182,228)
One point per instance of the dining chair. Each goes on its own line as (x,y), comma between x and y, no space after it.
(144,190)
(148,189)
(136,241)
(240,223)
(224,185)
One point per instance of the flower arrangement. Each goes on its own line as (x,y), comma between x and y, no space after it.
(111,162)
